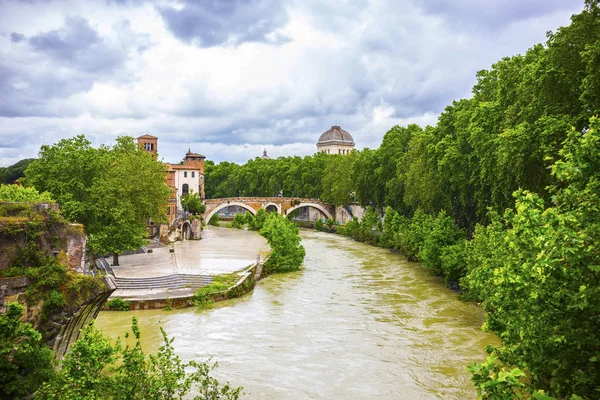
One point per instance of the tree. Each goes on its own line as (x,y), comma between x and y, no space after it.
(113,191)
(192,203)
(536,274)
(25,361)
(287,254)
(12,173)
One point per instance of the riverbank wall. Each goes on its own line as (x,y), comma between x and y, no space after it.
(245,284)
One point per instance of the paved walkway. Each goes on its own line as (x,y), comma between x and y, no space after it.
(220,251)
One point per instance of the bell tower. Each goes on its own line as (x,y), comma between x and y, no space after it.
(148,143)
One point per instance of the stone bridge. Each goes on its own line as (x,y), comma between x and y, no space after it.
(283,205)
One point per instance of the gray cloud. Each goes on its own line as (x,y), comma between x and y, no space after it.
(493,14)
(365,65)
(63,62)
(78,45)
(17,37)
(208,23)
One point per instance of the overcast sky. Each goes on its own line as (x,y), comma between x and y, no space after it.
(228,78)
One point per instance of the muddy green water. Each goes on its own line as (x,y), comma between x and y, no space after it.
(357,323)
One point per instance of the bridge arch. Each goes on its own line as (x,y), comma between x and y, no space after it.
(314,205)
(186,231)
(271,204)
(225,205)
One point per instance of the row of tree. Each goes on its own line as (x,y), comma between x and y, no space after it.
(449,191)
(481,150)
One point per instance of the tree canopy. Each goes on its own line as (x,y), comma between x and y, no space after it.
(112,190)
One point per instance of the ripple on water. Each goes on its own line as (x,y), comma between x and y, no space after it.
(358,322)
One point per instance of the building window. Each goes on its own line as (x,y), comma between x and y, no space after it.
(168,210)
(185,174)
(193,174)
(185,189)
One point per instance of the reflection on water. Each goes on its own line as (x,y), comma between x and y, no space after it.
(358,322)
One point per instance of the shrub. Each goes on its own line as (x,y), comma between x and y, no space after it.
(238,221)
(287,254)
(118,304)
(20,194)
(437,234)
(330,223)
(214,220)
(25,361)
(319,224)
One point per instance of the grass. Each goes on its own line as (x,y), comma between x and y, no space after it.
(218,284)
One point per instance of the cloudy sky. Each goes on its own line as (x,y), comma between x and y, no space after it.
(228,78)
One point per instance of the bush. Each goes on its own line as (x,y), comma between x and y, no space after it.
(214,220)
(438,233)
(20,194)
(238,221)
(287,254)
(97,369)
(319,224)
(259,219)
(330,223)
(25,361)
(118,304)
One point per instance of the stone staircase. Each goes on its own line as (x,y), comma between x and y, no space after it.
(175,281)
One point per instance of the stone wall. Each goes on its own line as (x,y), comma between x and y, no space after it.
(244,285)
(24,224)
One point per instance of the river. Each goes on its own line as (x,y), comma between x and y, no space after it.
(358,322)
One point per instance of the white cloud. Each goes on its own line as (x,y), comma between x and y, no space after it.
(365,65)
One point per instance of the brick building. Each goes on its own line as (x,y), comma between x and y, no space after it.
(183,178)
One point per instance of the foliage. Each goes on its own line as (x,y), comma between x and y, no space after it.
(319,224)
(287,254)
(330,224)
(112,191)
(259,219)
(214,220)
(536,274)
(239,220)
(25,361)
(365,230)
(118,304)
(192,203)
(97,369)
(11,174)
(19,194)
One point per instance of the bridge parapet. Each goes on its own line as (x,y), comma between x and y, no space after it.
(264,200)
(253,204)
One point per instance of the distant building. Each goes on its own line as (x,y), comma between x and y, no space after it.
(182,178)
(335,141)
(265,155)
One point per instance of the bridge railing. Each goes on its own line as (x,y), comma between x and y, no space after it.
(264,199)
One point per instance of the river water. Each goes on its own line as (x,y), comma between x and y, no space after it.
(358,322)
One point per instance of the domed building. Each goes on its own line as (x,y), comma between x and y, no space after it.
(335,141)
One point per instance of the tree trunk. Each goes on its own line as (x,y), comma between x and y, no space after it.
(115,259)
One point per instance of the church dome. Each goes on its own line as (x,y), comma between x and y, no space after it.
(336,135)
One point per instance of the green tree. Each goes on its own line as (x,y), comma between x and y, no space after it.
(113,191)
(192,203)
(13,173)
(538,277)
(287,254)
(19,194)
(25,361)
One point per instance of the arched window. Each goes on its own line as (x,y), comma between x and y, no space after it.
(185,189)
